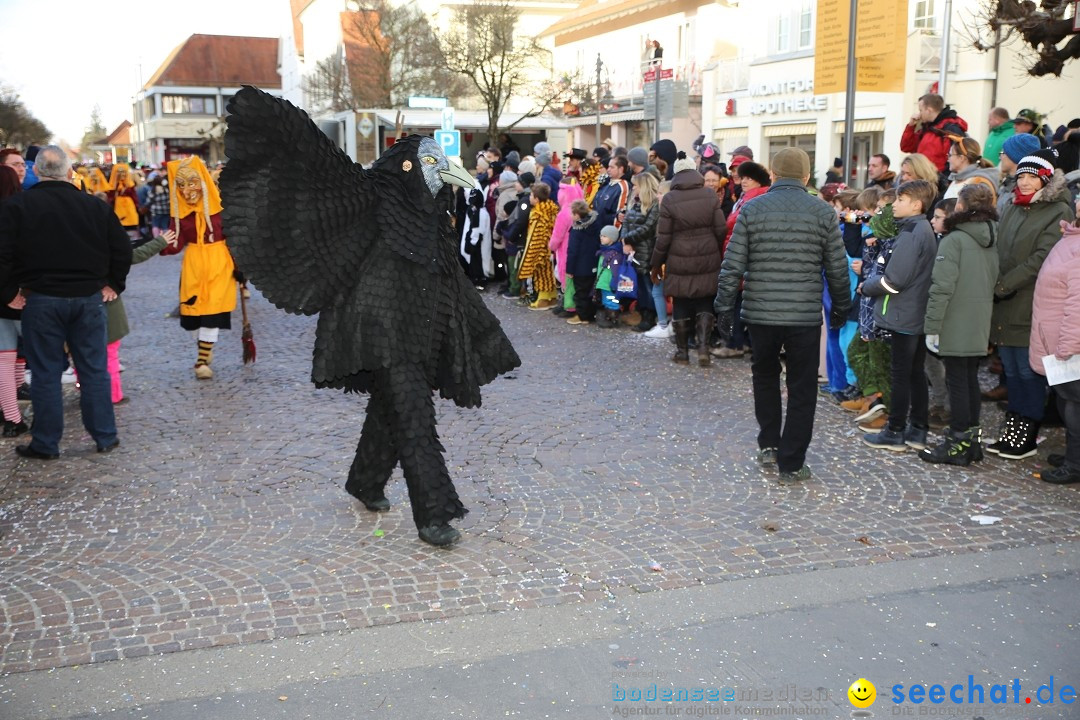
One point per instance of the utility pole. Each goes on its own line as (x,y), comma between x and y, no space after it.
(599,65)
(849,96)
(656,69)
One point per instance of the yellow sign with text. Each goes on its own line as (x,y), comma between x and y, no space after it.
(880,46)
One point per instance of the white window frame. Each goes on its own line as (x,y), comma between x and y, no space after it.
(925,15)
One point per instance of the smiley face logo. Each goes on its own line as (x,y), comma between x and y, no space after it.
(862,693)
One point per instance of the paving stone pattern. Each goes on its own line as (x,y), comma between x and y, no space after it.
(597,469)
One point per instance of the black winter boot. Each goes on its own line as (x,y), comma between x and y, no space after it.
(704,325)
(605,318)
(648,320)
(682,338)
(1022,443)
(955,449)
(976,443)
(1007,430)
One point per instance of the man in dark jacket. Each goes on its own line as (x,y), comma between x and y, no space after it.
(70,255)
(780,244)
(902,290)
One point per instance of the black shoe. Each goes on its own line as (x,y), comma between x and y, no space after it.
(23,392)
(1055,460)
(439,535)
(1008,429)
(1023,442)
(379,504)
(1063,475)
(28,452)
(955,449)
(108,448)
(15,429)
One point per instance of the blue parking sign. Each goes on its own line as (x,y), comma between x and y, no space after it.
(449,141)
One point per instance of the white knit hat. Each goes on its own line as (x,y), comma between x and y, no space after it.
(684,163)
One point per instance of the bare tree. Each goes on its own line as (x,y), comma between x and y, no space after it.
(482,47)
(1045,28)
(388,53)
(17,125)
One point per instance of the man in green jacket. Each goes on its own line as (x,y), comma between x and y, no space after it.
(1001,128)
(781,242)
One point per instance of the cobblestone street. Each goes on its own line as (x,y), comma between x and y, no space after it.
(598,469)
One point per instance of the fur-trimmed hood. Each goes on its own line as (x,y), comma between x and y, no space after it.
(585,221)
(970,216)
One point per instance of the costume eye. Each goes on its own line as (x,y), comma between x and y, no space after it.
(428,160)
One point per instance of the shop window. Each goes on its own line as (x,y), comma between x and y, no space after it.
(924,14)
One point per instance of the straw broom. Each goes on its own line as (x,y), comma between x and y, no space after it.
(246,338)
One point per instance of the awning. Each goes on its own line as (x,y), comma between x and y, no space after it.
(731,133)
(790,129)
(861,126)
(607,118)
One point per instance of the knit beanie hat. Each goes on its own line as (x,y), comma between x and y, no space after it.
(1017,147)
(542,153)
(684,163)
(527,166)
(666,149)
(610,232)
(507,176)
(791,163)
(1040,164)
(526,179)
(512,159)
(638,156)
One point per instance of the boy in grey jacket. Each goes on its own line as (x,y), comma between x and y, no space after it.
(901,288)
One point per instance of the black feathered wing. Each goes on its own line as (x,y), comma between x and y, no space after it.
(298,213)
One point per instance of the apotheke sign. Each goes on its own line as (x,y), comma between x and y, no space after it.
(805,101)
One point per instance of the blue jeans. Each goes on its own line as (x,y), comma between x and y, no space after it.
(49,322)
(1027,388)
(659,303)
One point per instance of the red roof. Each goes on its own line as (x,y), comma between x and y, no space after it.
(221,60)
(121,135)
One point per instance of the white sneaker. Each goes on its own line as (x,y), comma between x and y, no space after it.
(660,331)
(68,377)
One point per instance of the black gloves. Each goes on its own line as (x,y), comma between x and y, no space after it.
(837,319)
(238,276)
(725,323)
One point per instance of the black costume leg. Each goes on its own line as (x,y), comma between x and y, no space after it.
(431,491)
(376,453)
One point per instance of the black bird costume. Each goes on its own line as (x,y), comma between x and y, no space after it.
(374,253)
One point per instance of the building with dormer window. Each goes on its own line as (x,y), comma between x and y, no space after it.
(180,110)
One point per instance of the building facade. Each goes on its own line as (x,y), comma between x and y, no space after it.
(761,90)
(621,35)
(180,111)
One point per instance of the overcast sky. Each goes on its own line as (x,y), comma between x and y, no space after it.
(96,48)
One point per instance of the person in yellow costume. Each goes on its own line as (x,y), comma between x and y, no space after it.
(124,201)
(97,181)
(207,274)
